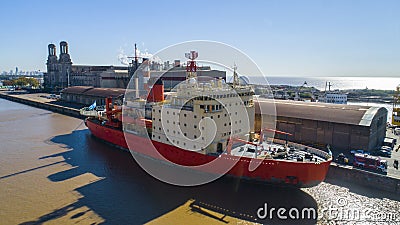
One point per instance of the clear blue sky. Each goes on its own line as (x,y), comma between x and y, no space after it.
(308,38)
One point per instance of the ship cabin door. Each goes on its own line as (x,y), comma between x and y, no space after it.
(219,147)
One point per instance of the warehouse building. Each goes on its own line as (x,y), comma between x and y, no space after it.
(342,127)
(87,95)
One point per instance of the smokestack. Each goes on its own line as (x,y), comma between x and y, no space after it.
(157,92)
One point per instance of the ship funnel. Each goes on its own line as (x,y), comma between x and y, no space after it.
(157,92)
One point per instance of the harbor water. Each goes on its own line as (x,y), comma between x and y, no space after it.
(341,83)
(53,171)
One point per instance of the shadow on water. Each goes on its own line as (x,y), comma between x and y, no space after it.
(128,195)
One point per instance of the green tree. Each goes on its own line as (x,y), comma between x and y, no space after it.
(8,83)
(21,81)
(33,82)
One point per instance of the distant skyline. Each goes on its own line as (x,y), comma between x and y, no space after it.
(287,38)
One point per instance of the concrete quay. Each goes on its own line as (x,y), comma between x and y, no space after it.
(40,102)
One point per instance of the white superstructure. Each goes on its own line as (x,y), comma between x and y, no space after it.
(201,116)
(335,97)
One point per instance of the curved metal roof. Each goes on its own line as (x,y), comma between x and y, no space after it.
(336,113)
(96,92)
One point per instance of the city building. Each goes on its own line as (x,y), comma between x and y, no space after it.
(177,74)
(61,73)
(114,78)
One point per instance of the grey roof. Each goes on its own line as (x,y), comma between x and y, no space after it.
(96,92)
(336,113)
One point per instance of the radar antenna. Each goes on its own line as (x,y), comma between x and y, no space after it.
(191,67)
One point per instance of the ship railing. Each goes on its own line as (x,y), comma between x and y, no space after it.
(312,150)
(91,112)
(87,112)
(188,108)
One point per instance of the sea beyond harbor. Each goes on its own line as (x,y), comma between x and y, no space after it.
(341,83)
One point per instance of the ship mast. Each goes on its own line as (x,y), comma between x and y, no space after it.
(136,58)
(236,81)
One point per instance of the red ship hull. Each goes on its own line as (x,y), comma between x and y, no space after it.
(290,173)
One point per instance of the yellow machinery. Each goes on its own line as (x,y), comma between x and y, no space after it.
(396,107)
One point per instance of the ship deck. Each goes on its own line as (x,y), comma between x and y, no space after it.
(279,151)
